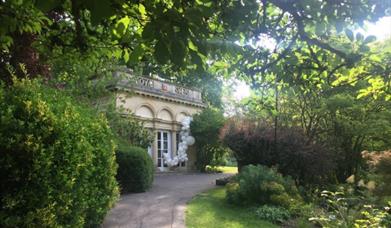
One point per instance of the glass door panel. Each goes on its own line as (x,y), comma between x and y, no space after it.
(163,143)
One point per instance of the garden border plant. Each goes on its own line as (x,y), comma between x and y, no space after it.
(135,169)
(57,163)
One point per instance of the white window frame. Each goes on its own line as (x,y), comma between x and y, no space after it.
(160,144)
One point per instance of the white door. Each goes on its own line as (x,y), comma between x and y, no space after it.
(163,146)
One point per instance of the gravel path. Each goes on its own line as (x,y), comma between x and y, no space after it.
(163,205)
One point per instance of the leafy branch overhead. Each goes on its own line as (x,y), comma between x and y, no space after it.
(185,34)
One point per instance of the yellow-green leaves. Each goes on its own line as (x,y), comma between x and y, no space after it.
(121,27)
(377,88)
(350,77)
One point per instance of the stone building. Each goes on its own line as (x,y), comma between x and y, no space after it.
(161,106)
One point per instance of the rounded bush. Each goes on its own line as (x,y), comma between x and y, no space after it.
(262,185)
(135,169)
(57,163)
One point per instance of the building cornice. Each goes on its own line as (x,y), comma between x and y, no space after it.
(154,92)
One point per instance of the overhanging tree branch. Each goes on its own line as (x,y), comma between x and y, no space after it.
(289,6)
(281,55)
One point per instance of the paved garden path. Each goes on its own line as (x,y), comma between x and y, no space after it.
(163,205)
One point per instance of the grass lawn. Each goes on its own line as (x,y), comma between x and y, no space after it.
(224,169)
(228,169)
(209,209)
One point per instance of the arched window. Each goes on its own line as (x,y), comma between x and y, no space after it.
(145,112)
(164,114)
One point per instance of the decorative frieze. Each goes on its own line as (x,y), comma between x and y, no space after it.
(161,88)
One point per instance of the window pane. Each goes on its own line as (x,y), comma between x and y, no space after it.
(177,141)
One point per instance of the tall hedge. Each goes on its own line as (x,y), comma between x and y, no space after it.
(57,163)
(135,169)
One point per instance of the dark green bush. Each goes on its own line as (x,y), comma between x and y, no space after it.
(262,185)
(272,213)
(135,169)
(292,151)
(57,163)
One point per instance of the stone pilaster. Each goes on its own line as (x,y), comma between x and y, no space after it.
(173,144)
(154,148)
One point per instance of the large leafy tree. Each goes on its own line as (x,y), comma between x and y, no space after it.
(180,33)
(348,108)
(206,128)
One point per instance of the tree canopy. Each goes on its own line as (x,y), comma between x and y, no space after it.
(186,34)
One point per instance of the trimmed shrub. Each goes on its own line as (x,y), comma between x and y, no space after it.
(135,169)
(57,163)
(292,152)
(262,185)
(272,213)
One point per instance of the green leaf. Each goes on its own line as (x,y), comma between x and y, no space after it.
(46,5)
(100,9)
(364,48)
(359,37)
(349,34)
(136,54)
(142,10)
(178,50)
(149,31)
(120,30)
(196,58)
(369,39)
(339,27)
(192,46)
(320,28)
(125,55)
(161,52)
